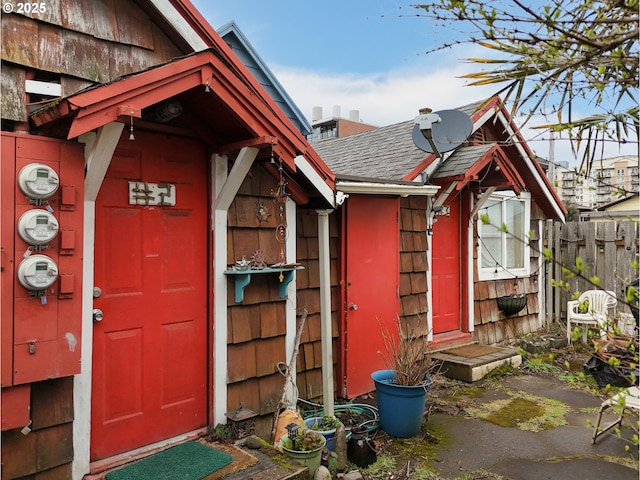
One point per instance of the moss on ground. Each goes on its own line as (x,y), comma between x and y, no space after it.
(523,411)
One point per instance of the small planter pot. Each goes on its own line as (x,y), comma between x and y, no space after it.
(330,434)
(310,458)
(401,408)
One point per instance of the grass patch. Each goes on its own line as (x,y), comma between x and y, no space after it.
(540,365)
(383,467)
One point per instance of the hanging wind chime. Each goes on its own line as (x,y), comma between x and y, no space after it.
(280,197)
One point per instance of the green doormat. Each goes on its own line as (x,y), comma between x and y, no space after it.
(187,461)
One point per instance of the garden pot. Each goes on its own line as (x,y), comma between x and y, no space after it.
(310,458)
(330,434)
(401,408)
(511,304)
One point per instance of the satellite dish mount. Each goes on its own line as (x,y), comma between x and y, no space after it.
(424,121)
(441,131)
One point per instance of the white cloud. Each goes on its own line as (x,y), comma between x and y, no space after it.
(381,98)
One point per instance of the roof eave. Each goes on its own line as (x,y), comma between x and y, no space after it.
(385,188)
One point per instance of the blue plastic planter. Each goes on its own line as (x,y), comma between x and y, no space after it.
(330,435)
(401,408)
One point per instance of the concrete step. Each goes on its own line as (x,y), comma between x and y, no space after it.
(471,363)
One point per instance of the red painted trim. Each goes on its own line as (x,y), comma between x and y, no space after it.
(497,105)
(444,341)
(7,253)
(104,104)
(101,105)
(417,170)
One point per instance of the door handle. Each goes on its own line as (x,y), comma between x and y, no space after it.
(353,306)
(97,315)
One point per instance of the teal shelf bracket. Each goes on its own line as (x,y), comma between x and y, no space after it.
(243,278)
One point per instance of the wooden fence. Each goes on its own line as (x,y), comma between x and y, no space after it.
(608,251)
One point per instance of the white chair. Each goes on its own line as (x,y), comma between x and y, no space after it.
(628,399)
(596,313)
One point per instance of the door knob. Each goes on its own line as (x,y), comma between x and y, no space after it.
(353,306)
(97,315)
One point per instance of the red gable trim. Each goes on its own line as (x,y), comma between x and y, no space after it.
(497,105)
(494,156)
(208,34)
(106,103)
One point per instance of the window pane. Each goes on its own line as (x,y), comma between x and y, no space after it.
(491,235)
(514,219)
(491,252)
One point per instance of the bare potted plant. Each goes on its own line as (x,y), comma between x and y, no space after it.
(401,389)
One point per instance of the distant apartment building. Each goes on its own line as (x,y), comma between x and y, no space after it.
(609,179)
(335,126)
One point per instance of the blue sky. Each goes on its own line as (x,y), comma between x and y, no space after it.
(365,55)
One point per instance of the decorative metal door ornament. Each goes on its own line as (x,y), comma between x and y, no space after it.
(262,212)
(145,193)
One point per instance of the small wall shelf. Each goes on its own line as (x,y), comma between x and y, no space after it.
(243,278)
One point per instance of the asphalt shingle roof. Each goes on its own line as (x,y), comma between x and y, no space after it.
(461,160)
(385,153)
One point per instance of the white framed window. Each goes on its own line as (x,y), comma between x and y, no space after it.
(503,236)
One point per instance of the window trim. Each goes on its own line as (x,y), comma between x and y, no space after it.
(490,273)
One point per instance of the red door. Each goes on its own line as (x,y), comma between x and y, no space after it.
(149,351)
(446,244)
(372,273)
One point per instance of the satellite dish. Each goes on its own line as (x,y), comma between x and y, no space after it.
(453,129)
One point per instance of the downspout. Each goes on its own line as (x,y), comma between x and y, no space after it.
(325,311)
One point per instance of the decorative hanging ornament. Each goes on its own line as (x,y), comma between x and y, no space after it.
(280,196)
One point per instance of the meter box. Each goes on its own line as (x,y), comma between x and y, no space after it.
(37,272)
(38,227)
(38,181)
(41,192)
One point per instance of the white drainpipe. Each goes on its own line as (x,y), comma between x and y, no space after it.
(325,311)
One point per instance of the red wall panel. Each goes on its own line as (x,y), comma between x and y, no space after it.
(41,334)
(15,411)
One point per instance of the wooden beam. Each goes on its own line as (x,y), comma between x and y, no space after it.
(444,195)
(481,201)
(99,150)
(238,172)
(252,142)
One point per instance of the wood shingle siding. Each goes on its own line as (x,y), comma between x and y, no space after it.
(81,43)
(413,264)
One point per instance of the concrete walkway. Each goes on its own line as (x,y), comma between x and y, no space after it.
(563,452)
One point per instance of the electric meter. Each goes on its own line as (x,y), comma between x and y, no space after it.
(37,272)
(37,227)
(38,181)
